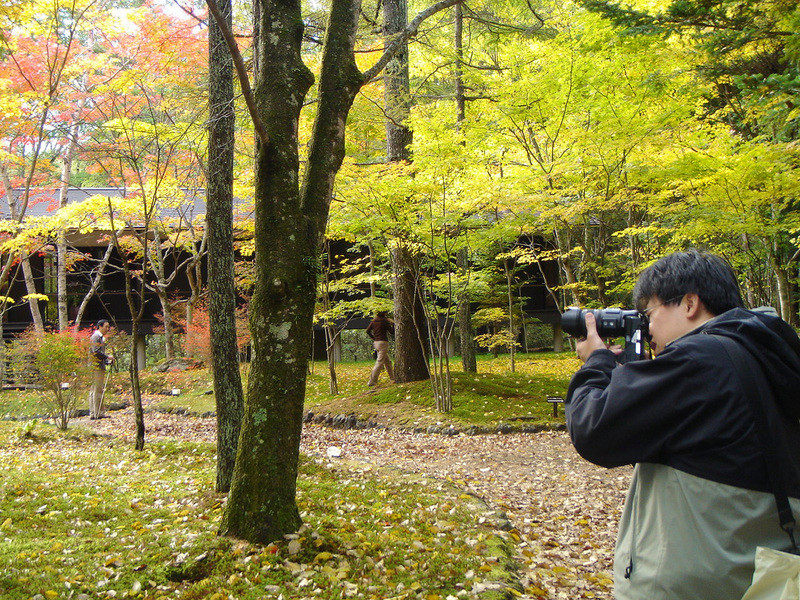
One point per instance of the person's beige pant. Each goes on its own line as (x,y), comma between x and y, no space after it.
(96,394)
(383,360)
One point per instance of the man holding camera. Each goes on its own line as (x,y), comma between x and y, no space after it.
(703,494)
(100,360)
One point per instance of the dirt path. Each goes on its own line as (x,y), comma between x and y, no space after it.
(564,509)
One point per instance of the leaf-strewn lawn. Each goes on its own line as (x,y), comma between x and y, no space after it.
(87,517)
(491,396)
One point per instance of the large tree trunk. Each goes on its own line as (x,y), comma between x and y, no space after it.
(219,218)
(261,505)
(410,326)
(396,90)
(411,329)
(288,238)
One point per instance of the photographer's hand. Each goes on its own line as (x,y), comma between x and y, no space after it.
(593,341)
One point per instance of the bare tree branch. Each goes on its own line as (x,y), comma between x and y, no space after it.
(241,70)
(404,36)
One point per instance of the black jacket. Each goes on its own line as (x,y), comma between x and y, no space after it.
(686,408)
(700,501)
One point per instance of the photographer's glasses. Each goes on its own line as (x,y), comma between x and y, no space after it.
(646,312)
(646,315)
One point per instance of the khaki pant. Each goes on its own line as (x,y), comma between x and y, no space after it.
(383,360)
(96,394)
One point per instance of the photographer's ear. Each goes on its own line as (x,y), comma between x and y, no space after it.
(694,307)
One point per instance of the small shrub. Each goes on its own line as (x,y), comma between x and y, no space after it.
(61,368)
(356,345)
(26,431)
(539,336)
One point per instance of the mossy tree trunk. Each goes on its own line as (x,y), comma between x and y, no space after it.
(411,330)
(290,221)
(228,391)
(289,225)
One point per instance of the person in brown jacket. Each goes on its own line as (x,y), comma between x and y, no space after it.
(378,331)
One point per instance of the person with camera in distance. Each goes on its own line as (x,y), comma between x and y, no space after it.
(378,331)
(100,361)
(702,496)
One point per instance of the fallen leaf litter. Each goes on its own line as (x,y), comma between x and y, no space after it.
(564,510)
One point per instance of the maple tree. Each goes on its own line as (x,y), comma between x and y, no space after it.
(60,366)
(746,64)
(146,140)
(42,58)
(290,219)
(342,297)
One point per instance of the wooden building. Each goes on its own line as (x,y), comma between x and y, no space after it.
(110,302)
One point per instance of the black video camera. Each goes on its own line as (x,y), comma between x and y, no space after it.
(611,323)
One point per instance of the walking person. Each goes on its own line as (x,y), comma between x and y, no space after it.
(703,495)
(100,362)
(378,331)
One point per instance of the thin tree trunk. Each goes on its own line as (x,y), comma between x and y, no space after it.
(169,334)
(372,286)
(784,289)
(136,390)
(219,215)
(160,288)
(135,300)
(461,101)
(61,242)
(330,353)
(194,275)
(512,346)
(469,360)
(30,288)
(330,328)
(17,214)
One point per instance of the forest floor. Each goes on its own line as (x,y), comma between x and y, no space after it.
(564,510)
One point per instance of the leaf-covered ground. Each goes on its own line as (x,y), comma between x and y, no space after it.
(564,510)
(84,516)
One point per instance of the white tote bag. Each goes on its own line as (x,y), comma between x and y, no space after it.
(777,576)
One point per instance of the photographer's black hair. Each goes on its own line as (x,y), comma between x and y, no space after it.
(680,273)
(100,323)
